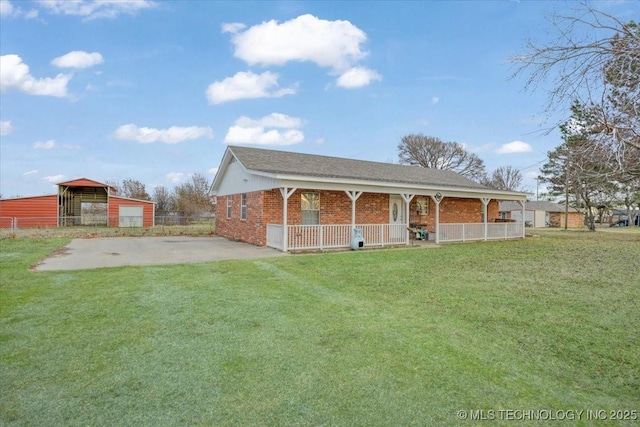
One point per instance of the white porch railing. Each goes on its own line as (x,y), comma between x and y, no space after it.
(275,236)
(310,237)
(506,230)
(475,231)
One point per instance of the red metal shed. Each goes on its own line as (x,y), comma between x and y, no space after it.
(125,212)
(66,208)
(37,211)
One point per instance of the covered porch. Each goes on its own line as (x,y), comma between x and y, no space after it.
(398,231)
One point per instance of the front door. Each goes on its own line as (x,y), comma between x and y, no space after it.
(396,218)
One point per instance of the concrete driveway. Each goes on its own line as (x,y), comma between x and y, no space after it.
(120,251)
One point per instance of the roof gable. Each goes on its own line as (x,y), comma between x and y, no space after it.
(84,182)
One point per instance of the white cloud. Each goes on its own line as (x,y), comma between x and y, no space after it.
(96,9)
(31,172)
(175,177)
(173,135)
(32,14)
(335,44)
(261,132)
(54,179)
(6,8)
(435,100)
(357,77)
(514,147)
(213,171)
(246,85)
(78,59)
(5,127)
(233,27)
(14,74)
(44,145)
(273,120)
(260,136)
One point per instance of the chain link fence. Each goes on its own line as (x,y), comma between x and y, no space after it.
(98,226)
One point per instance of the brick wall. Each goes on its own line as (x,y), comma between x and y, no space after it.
(265,207)
(335,207)
(576,219)
(250,230)
(452,211)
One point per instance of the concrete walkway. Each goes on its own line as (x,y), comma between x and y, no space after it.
(121,251)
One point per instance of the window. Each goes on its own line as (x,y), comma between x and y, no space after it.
(243,206)
(422,205)
(310,206)
(228,207)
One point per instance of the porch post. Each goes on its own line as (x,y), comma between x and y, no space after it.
(407,199)
(522,203)
(353,196)
(485,202)
(437,198)
(286,193)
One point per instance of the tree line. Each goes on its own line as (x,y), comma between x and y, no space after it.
(190,198)
(594,69)
(593,66)
(431,152)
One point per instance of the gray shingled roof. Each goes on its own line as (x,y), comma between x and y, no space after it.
(538,205)
(288,163)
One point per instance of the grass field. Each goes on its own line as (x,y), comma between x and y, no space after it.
(373,338)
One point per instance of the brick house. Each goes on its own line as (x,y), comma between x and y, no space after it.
(327,202)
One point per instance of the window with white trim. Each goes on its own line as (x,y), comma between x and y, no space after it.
(310,207)
(243,206)
(228,207)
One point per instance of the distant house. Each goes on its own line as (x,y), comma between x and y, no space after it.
(621,217)
(294,201)
(541,214)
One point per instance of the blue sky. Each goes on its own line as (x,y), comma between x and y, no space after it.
(155,90)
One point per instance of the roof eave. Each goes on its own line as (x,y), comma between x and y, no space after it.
(294,180)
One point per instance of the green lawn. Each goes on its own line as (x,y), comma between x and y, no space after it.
(382,337)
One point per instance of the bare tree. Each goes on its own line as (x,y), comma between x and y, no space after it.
(431,152)
(192,198)
(165,201)
(115,185)
(134,189)
(505,178)
(595,60)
